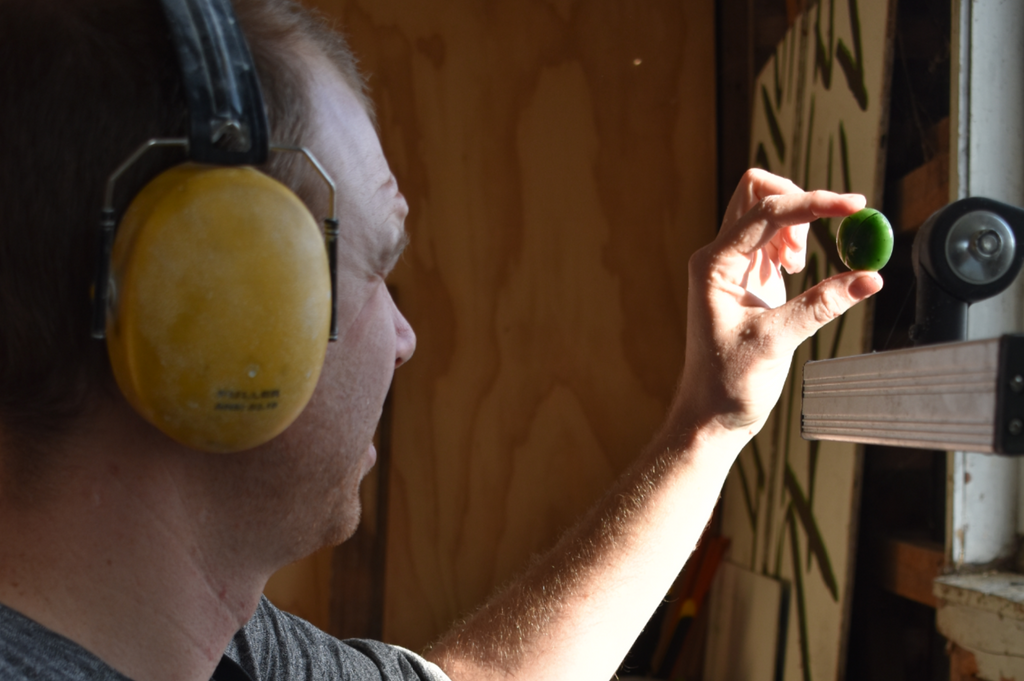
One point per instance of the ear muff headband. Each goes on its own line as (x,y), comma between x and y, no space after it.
(216,294)
(227,118)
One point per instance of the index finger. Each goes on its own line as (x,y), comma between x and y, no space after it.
(760,225)
(755,186)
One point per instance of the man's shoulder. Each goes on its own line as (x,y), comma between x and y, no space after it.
(276,644)
(29,650)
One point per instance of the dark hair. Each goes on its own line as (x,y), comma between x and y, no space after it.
(82,84)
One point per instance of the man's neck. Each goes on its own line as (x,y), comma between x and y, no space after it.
(121,557)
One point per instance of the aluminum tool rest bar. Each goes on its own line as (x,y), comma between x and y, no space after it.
(955,396)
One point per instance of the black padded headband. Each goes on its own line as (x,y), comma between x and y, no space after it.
(227,117)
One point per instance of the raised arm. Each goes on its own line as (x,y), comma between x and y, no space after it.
(575,612)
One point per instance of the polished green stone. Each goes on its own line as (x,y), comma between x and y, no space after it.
(864,240)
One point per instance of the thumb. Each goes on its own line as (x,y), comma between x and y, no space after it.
(817,306)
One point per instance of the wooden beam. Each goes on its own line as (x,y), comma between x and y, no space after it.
(921,192)
(925,189)
(908,568)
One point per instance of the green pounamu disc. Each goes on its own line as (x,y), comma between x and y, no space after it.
(864,240)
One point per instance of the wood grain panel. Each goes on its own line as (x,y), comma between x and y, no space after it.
(559,162)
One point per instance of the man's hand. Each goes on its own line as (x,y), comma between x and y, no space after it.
(741,331)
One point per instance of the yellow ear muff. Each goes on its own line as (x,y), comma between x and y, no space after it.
(220,308)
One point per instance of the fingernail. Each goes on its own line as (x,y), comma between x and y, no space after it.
(856,198)
(865,285)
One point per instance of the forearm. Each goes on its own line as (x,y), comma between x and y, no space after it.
(577,609)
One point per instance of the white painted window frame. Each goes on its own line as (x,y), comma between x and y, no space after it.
(983,614)
(984,513)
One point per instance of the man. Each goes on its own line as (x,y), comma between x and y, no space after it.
(124,553)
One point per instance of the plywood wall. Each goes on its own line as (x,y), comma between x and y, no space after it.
(559,161)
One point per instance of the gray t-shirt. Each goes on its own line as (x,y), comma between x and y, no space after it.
(273,645)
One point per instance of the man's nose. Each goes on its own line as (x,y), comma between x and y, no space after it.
(405,339)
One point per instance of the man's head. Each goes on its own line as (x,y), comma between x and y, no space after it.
(83,85)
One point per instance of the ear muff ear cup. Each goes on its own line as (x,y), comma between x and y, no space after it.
(221,305)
